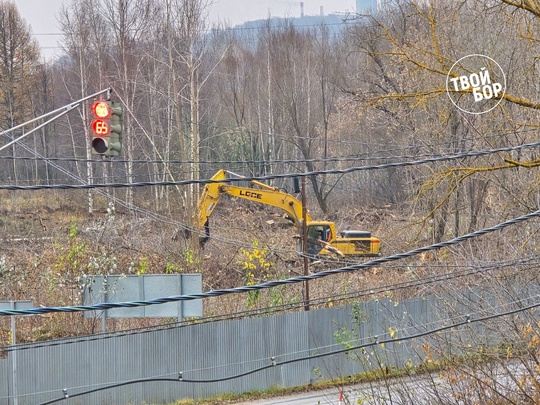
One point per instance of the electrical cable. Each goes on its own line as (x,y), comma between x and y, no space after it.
(275,283)
(235,377)
(273,363)
(104,193)
(276,176)
(474,270)
(198,231)
(400,329)
(244,163)
(155,378)
(129,206)
(143,380)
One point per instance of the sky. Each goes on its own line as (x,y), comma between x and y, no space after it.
(42,14)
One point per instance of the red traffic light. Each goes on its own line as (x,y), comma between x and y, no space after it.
(101,109)
(106,128)
(100,127)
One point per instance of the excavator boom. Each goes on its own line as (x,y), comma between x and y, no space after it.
(263,194)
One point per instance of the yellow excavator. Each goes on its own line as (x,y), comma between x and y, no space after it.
(322,236)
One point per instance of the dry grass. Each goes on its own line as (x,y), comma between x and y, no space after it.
(50,241)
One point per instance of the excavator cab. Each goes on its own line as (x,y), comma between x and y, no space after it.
(319,232)
(318,237)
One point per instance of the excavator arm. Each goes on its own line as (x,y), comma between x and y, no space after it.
(260,193)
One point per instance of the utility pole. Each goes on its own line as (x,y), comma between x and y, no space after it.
(305,245)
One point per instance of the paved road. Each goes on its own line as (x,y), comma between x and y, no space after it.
(419,389)
(325,397)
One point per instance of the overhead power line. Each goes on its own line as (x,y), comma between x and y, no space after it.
(366,157)
(272,310)
(276,176)
(275,283)
(272,362)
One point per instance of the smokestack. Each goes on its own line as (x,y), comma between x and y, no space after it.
(301,9)
(322,11)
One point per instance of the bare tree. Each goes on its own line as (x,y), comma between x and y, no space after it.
(85,35)
(19,70)
(129,22)
(306,75)
(280,90)
(408,53)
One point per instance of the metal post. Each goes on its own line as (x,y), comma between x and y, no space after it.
(14,357)
(14,306)
(305,244)
(15,140)
(105,299)
(180,303)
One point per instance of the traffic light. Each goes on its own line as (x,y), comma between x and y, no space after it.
(107,128)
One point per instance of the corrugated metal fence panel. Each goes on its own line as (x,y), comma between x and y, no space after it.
(214,352)
(5,380)
(288,339)
(330,330)
(361,324)
(210,352)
